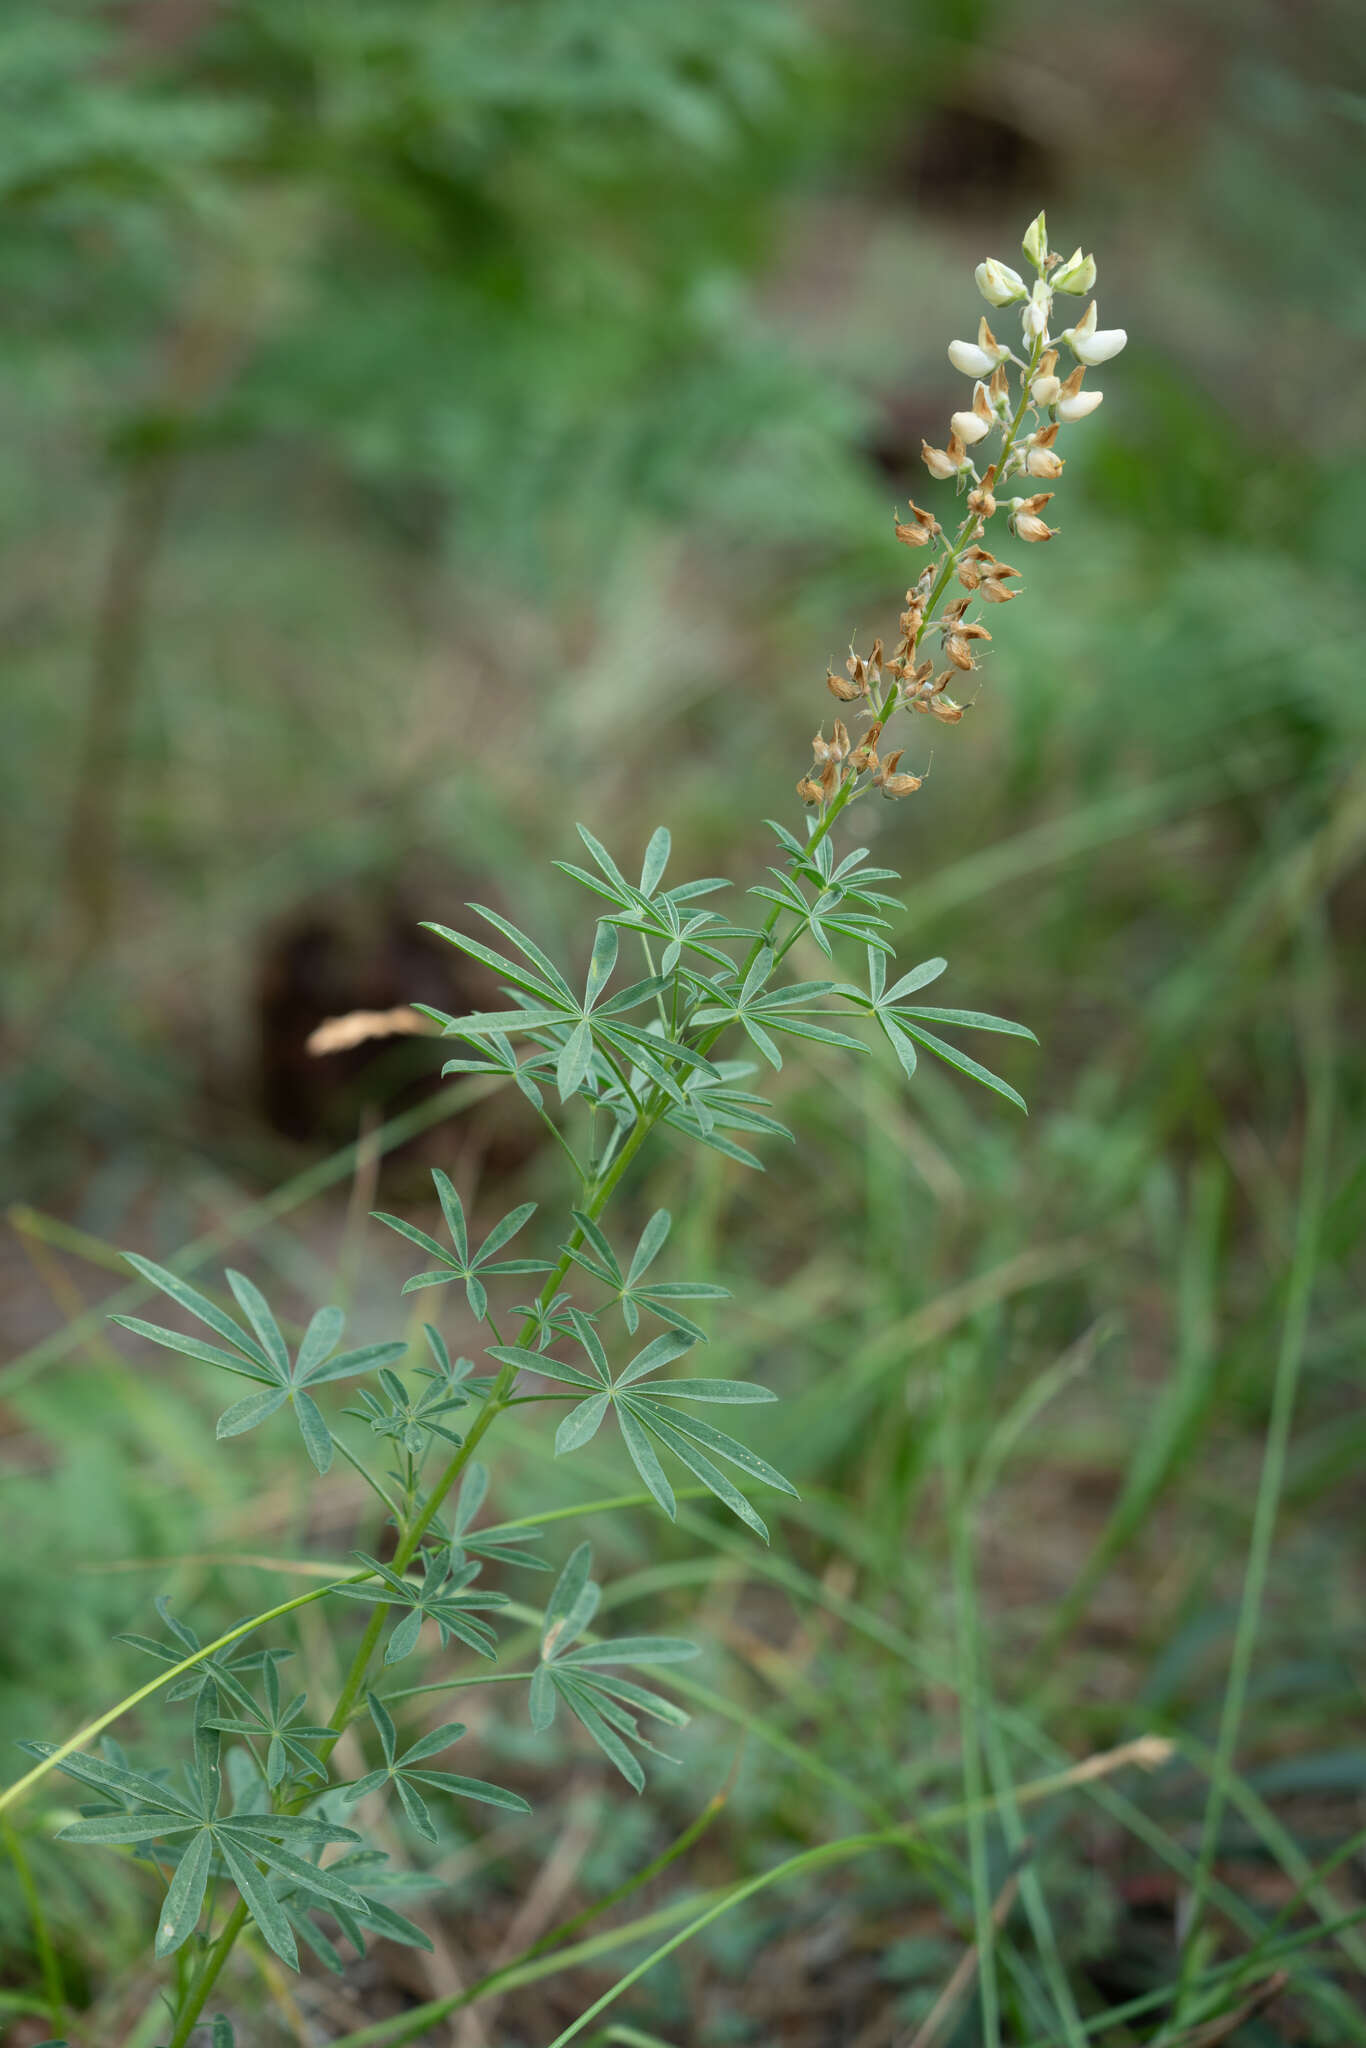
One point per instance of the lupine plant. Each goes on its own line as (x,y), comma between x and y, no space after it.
(258,1824)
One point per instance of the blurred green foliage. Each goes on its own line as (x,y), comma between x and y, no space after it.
(526,384)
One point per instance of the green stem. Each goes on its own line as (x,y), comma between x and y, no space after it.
(967,1632)
(375,1487)
(411,2026)
(1313,1182)
(493,1407)
(207,1976)
(12,1794)
(42,1939)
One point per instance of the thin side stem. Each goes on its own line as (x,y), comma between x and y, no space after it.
(207,1976)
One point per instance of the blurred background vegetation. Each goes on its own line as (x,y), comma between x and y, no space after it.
(428,424)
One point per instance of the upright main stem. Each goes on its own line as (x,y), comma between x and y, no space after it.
(409,1544)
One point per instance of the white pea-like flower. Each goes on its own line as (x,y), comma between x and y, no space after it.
(1091,344)
(1070,410)
(1046,390)
(1076,276)
(977,424)
(971,360)
(970,427)
(999,284)
(1102,345)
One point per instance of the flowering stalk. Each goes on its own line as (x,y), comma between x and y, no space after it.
(1029,424)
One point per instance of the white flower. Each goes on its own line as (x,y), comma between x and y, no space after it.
(1035,243)
(1037,311)
(1104,343)
(971,360)
(1076,276)
(999,284)
(969,427)
(1093,345)
(1045,390)
(1070,410)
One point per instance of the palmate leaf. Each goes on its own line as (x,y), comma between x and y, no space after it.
(653,1411)
(263,1356)
(760,1011)
(903,1024)
(242,1842)
(584,1678)
(402,1772)
(459,1263)
(633,1293)
(437,1594)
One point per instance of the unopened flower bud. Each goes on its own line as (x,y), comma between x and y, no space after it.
(1076,276)
(999,284)
(1035,243)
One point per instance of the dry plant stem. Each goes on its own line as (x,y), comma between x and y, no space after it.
(1224,2028)
(949,1999)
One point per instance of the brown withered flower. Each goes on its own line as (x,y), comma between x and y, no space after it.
(890,782)
(864,755)
(1025,520)
(920,529)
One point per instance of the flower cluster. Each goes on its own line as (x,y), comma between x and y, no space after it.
(1027,414)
